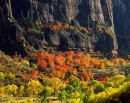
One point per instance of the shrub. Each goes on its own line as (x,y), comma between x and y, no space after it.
(73,86)
(26,62)
(2,75)
(74,100)
(57,84)
(10,75)
(34,87)
(99,88)
(33,72)
(24,100)
(21,90)
(93,83)
(108,84)
(118,79)
(2,94)
(62,95)
(45,94)
(11,89)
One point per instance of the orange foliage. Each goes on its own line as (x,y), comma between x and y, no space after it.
(72,65)
(34,72)
(102,65)
(38,22)
(72,77)
(42,64)
(95,62)
(59,60)
(57,26)
(77,61)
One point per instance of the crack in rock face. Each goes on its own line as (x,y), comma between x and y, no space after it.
(114,13)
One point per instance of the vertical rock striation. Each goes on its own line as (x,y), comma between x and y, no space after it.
(113,13)
(121,15)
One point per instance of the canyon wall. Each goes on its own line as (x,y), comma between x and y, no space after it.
(113,13)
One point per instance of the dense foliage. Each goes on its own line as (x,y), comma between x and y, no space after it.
(67,77)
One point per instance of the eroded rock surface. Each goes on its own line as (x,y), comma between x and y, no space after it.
(113,13)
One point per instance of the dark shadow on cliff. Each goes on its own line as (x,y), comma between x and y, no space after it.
(83,16)
(104,43)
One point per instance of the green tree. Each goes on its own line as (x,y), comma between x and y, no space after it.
(62,95)
(46,93)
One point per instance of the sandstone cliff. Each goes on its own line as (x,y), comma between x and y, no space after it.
(113,13)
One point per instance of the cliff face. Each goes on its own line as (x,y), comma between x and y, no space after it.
(103,12)
(52,10)
(121,15)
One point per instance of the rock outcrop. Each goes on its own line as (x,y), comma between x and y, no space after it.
(121,15)
(113,13)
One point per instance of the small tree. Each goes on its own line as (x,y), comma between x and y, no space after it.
(62,95)
(34,87)
(45,94)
